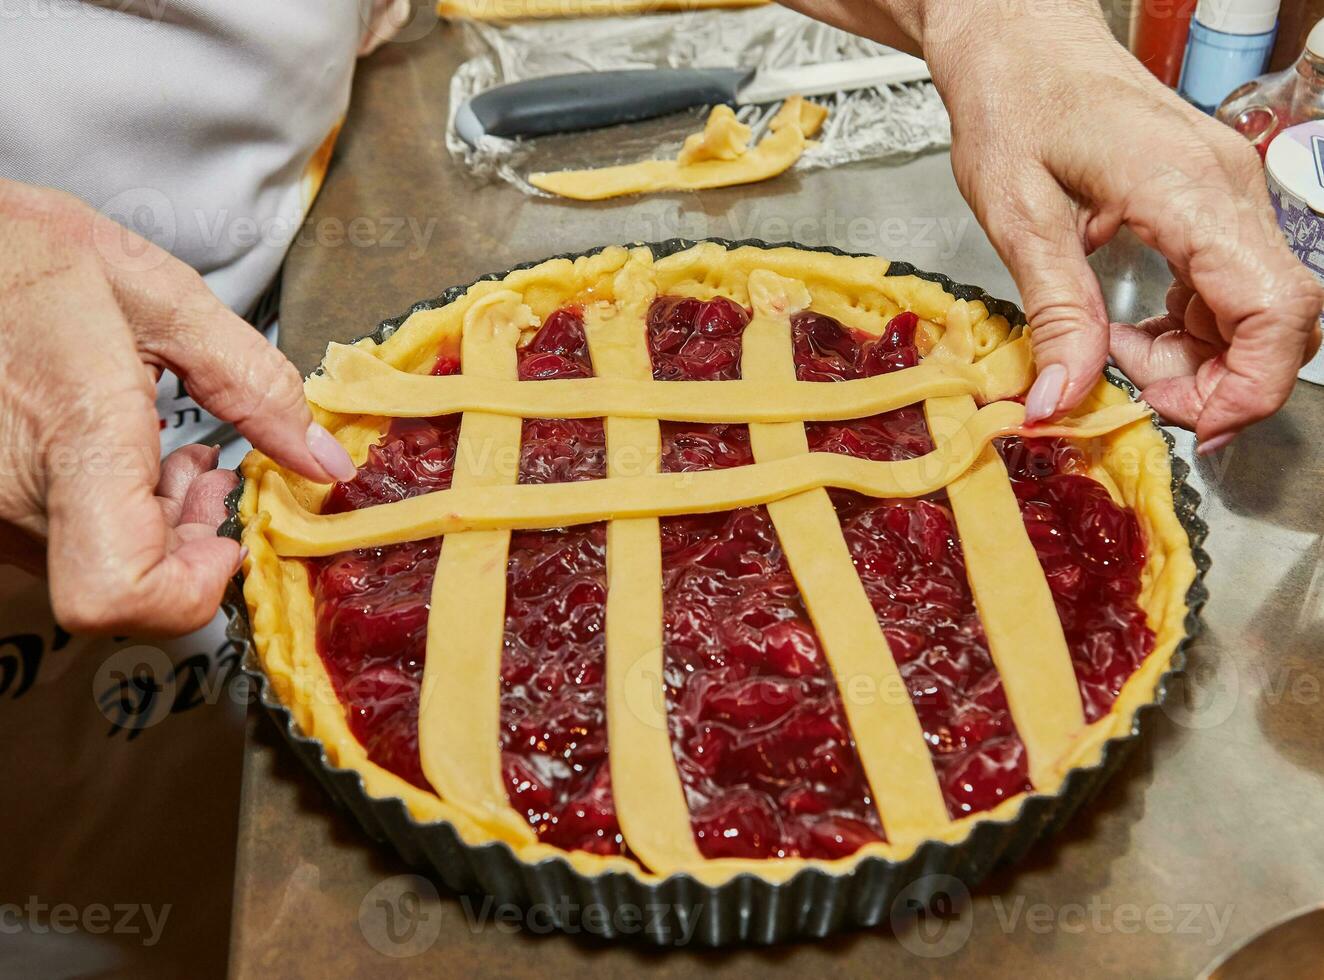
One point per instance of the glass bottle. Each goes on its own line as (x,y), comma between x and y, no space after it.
(1262,108)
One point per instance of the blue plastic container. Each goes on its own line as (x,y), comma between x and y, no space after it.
(1217,62)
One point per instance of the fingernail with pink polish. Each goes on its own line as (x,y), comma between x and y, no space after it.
(1215,444)
(1045,393)
(329,453)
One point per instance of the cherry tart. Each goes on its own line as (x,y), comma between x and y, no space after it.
(725,561)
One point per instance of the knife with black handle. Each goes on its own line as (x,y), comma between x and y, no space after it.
(589,100)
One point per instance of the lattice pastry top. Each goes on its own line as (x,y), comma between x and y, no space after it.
(863,647)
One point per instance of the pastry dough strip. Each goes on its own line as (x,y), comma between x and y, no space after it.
(774,154)
(295,532)
(645,783)
(1015,604)
(887,733)
(355,382)
(459,718)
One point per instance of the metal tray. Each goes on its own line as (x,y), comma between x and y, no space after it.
(746,909)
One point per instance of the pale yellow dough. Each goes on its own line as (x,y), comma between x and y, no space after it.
(353,381)
(970,353)
(645,784)
(1025,637)
(887,731)
(459,706)
(296,532)
(724,137)
(801,113)
(717,157)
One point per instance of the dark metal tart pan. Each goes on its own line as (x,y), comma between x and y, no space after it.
(745,909)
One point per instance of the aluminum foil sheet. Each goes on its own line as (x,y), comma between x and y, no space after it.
(887,123)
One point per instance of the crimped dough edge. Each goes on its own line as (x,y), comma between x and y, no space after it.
(1133,463)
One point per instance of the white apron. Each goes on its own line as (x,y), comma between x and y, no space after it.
(206,126)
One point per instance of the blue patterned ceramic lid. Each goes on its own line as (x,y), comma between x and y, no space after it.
(1295,163)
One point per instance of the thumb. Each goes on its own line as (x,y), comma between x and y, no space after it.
(1063,304)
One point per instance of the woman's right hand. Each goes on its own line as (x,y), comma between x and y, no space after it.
(1059,138)
(91,315)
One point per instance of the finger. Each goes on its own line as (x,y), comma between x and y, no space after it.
(1154,351)
(170,510)
(1312,346)
(384,22)
(1164,355)
(1268,348)
(1199,321)
(205,503)
(228,367)
(1177,298)
(1270,325)
(186,532)
(1214,224)
(1155,326)
(1181,399)
(109,563)
(111,566)
(181,468)
(1177,401)
(1036,234)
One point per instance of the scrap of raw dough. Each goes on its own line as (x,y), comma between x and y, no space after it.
(724,137)
(807,115)
(717,157)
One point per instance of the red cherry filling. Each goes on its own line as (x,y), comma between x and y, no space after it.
(695,340)
(553,716)
(757,725)
(758,728)
(827,351)
(909,558)
(1092,553)
(372,603)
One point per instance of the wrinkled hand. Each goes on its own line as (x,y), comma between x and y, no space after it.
(90,315)
(1059,138)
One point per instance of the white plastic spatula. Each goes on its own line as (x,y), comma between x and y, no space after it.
(589,100)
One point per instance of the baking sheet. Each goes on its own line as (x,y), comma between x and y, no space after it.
(1197,844)
(887,123)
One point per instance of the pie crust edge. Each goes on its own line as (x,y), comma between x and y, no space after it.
(1134,465)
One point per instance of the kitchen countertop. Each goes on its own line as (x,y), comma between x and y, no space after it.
(1206,835)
